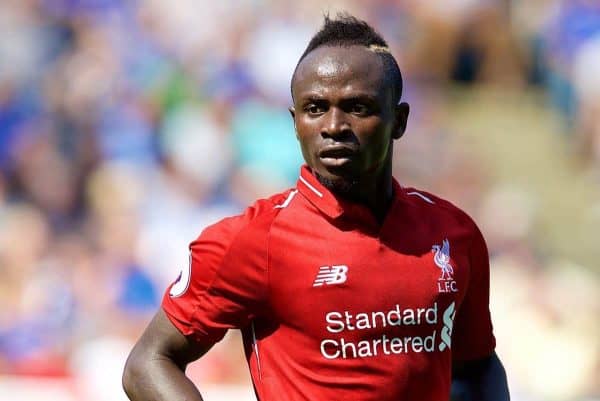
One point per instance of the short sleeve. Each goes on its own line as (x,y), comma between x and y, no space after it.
(226,284)
(473,337)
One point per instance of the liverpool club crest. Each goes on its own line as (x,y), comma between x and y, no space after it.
(441,258)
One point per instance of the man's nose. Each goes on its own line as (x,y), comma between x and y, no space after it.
(336,124)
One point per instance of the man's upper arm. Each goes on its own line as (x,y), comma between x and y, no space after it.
(482,379)
(162,340)
(155,369)
(219,291)
(465,369)
(226,284)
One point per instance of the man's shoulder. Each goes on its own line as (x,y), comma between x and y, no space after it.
(433,204)
(254,221)
(265,210)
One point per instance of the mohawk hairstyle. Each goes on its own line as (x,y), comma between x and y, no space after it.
(345,31)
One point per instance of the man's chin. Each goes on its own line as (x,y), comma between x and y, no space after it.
(339,185)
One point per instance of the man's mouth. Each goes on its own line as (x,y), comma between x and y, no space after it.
(337,152)
(337,156)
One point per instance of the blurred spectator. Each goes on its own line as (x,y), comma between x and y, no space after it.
(128,127)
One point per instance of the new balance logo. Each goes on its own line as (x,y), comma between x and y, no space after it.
(329,275)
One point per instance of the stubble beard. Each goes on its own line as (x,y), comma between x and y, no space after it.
(345,187)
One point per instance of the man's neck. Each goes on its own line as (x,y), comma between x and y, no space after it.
(375,194)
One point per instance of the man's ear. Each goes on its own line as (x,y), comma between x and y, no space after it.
(401,116)
(292,111)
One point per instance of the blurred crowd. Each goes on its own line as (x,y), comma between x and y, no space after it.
(128,126)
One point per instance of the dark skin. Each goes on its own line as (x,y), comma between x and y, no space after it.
(346,120)
(155,369)
(342,100)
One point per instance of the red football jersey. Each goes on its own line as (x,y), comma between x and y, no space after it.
(333,305)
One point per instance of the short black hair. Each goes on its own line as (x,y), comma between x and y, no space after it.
(346,30)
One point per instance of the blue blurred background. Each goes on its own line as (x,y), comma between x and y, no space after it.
(128,126)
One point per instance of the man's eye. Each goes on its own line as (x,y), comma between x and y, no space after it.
(314,109)
(360,109)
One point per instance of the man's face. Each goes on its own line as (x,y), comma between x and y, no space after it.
(345,116)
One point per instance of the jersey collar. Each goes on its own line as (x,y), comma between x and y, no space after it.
(317,194)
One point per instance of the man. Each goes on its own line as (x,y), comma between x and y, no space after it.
(348,286)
